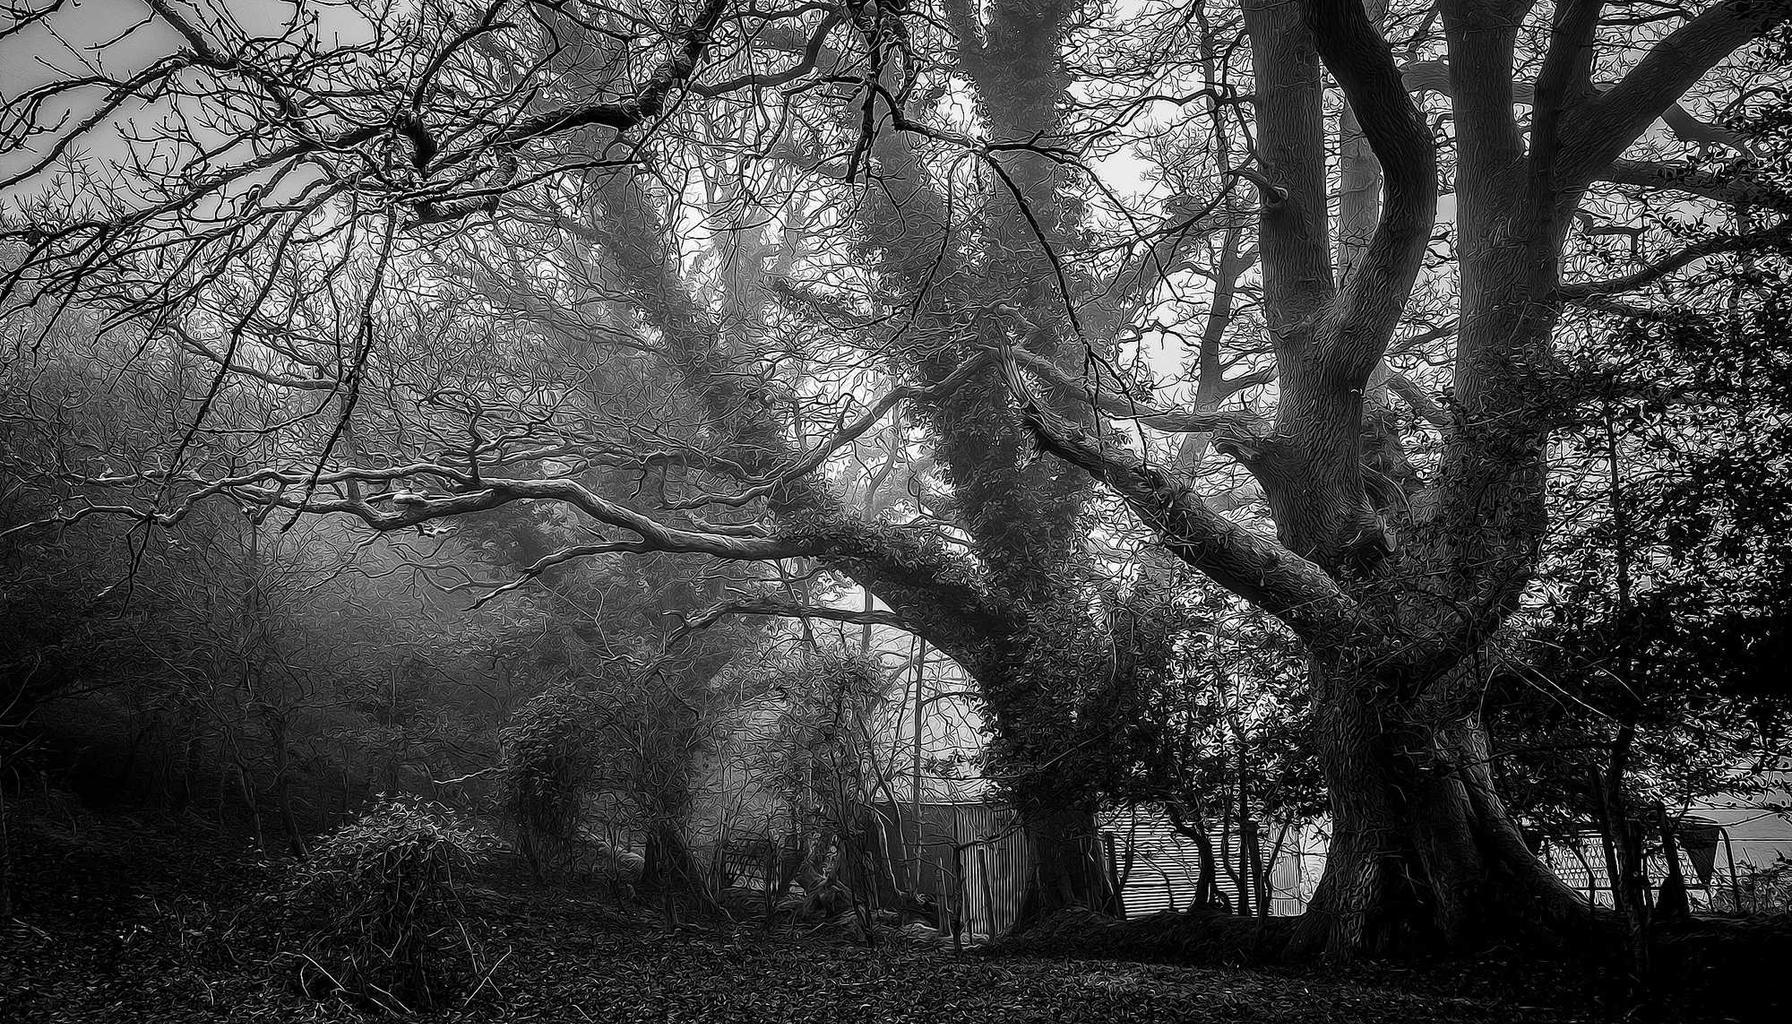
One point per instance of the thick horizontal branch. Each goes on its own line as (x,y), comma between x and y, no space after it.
(416,509)
(785,608)
(810,59)
(1417,399)
(648,101)
(1651,314)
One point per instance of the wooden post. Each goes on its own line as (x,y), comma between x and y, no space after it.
(963,890)
(6,854)
(1259,870)
(1609,838)
(989,895)
(950,909)
(1107,839)
(771,874)
(920,650)
(1592,886)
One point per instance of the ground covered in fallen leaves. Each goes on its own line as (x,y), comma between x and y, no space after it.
(136,920)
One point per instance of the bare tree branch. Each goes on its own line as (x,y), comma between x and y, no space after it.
(1295,590)
(1773,238)
(1597,131)
(1739,187)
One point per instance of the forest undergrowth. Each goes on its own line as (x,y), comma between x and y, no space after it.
(123,918)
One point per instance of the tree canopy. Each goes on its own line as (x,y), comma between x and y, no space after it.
(1032,321)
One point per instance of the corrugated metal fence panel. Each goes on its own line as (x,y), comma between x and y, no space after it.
(1579,861)
(1158,868)
(993,862)
(972,857)
(1294,875)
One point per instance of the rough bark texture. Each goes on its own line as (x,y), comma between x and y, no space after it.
(1394,583)
(1396,590)
(670,866)
(1423,854)
(1022,513)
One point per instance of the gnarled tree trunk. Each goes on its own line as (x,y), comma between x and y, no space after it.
(1423,852)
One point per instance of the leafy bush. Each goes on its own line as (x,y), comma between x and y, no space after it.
(376,913)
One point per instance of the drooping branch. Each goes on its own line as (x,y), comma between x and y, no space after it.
(411,509)
(404,508)
(786,608)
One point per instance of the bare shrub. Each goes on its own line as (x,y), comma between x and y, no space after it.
(376,914)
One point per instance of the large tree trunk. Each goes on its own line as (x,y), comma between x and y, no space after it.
(1064,864)
(1424,854)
